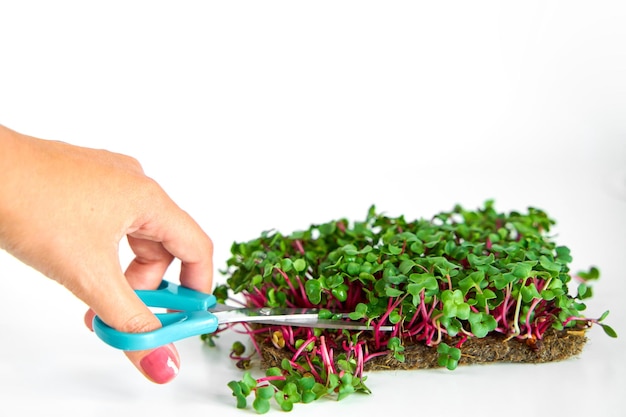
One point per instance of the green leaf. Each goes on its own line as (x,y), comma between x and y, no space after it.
(394,250)
(395,317)
(286,365)
(332,281)
(454,304)
(359,312)
(392,292)
(286,264)
(584,291)
(284,403)
(444,266)
(604,315)
(308,396)
(549,265)
(473,280)
(241,402)
(418,282)
(482,324)
(592,274)
(448,356)
(453,325)
(344,391)
(396,279)
(235,387)
(299,265)
(529,292)
(319,390)
(475,260)
(306,383)
(395,344)
(608,330)
(523,269)
(249,380)
(563,254)
(417,247)
(548,295)
(484,297)
(340,293)
(313,289)
(261,405)
(353,268)
(291,392)
(406,266)
(332,383)
(327,229)
(265,392)
(502,280)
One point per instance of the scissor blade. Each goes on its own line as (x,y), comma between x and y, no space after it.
(282,316)
(325,324)
(227,314)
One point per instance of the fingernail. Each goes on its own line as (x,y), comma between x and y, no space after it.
(161,365)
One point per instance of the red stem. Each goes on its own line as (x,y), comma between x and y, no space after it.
(301,348)
(325,356)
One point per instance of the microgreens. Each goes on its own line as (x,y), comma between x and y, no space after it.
(461,275)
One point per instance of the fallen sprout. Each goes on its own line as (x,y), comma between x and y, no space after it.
(459,276)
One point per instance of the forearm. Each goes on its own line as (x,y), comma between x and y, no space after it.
(14,168)
(10,146)
(38,191)
(49,189)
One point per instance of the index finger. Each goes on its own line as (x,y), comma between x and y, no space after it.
(185,240)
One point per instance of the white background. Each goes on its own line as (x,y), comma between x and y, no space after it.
(256,115)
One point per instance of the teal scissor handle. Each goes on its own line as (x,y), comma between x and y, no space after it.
(190,319)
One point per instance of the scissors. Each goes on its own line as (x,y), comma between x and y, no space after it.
(196,313)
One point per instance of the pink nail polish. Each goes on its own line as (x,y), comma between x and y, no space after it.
(161,365)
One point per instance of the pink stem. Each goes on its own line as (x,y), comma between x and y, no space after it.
(301,348)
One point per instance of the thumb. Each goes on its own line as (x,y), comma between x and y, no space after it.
(125,312)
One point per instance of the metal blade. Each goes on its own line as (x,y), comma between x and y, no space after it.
(282,316)
(326,324)
(227,314)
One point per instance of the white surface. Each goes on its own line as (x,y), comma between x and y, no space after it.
(258,115)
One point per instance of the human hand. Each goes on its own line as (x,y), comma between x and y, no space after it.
(64,210)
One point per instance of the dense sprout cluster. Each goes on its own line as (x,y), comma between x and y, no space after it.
(460,275)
